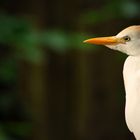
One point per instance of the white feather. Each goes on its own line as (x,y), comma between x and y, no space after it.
(131,75)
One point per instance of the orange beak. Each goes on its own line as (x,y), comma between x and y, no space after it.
(104,40)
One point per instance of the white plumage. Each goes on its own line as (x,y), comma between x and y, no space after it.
(131,73)
(128,41)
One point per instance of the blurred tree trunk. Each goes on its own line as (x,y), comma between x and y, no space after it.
(37,80)
(38,101)
(83,90)
(34,75)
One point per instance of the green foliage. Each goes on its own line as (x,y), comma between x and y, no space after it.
(61,41)
(113,10)
(130,9)
(28,43)
(56,40)
(3,136)
(20,128)
(12,28)
(28,47)
(8,70)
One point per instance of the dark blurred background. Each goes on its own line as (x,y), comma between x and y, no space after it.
(54,87)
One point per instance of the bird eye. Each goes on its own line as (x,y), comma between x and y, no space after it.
(126,38)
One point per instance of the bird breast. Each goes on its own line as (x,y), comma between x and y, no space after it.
(131,74)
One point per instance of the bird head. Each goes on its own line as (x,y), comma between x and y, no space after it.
(127,41)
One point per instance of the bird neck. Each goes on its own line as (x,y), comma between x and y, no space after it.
(132,64)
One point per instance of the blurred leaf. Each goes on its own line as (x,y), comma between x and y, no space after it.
(19,33)
(28,47)
(6,103)
(3,136)
(12,28)
(61,41)
(109,11)
(112,10)
(56,40)
(130,9)
(18,128)
(7,70)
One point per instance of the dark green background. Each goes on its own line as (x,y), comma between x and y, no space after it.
(52,85)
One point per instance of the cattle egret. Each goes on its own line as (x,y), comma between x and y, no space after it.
(128,41)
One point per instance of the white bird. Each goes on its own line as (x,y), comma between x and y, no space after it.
(128,41)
